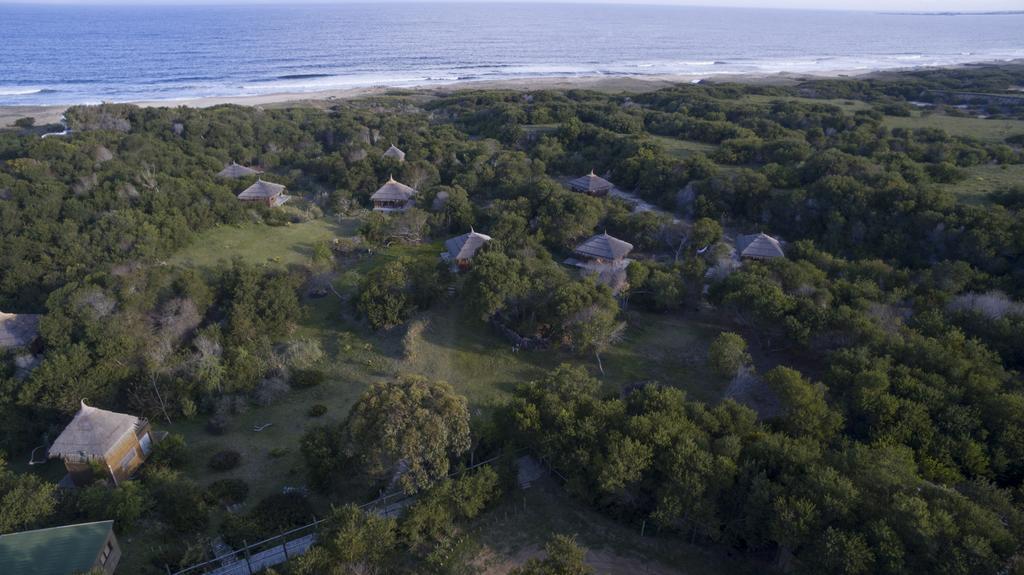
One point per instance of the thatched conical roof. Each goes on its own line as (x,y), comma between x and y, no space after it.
(394,153)
(759,246)
(17,330)
(261,190)
(590,183)
(605,247)
(92,433)
(465,246)
(393,191)
(234,171)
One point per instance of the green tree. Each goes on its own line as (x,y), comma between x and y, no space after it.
(408,428)
(25,500)
(807,411)
(728,353)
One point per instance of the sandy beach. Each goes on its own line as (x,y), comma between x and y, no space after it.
(612,84)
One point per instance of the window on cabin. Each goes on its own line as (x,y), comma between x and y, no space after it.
(126,461)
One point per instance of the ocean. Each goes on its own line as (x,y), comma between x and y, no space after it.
(76,54)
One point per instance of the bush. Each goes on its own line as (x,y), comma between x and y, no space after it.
(26,122)
(270,390)
(303,378)
(224,460)
(317,410)
(217,425)
(282,511)
(170,452)
(238,530)
(229,491)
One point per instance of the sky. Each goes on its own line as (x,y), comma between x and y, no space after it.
(871,5)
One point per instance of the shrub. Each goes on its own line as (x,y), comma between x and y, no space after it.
(224,460)
(303,378)
(239,530)
(170,452)
(270,390)
(217,425)
(278,452)
(26,122)
(229,491)
(317,410)
(282,511)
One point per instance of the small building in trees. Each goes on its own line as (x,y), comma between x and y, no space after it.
(603,249)
(234,171)
(395,154)
(65,550)
(267,193)
(603,257)
(591,184)
(100,440)
(18,330)
(461,249)
(393,196)
(758,247)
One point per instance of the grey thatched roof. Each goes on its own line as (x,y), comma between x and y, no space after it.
(261,190)
(605,247)
(92,433)
(760,246)
(465,246)
(236,171)
(395,153)
(17,330)
(590,183)
(393,191)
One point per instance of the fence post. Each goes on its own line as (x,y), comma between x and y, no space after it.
(245,547)
(643,528)
(284,545)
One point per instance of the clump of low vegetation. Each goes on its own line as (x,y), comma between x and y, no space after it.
(225,460)
(317,410)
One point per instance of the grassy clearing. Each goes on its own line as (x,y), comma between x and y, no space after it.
(262,244)
(682,149)
(847,105)
(982,180)
(985,130)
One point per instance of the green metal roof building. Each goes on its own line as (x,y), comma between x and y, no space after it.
(64,550)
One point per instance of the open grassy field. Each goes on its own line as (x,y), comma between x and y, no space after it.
(847,105)
(986,130)
(258,243)
(682,149)
(982,180)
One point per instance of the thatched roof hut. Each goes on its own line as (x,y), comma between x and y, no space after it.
(392,196)
(235,171)
(591,184)
(604,247)
(395,154)
(18,330)
(462,248)
(759,247)
(93,433)
(268,193)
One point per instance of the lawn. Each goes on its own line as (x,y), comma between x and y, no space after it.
(982,180)
(985,130)
(681,149)
(259,243)
(847,105)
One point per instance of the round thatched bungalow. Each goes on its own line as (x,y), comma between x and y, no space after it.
(461,249)
(393,196)
(395,154)
(591,184)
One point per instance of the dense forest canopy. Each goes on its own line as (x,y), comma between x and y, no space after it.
(892,331)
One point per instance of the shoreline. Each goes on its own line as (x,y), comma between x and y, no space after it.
(51,114)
